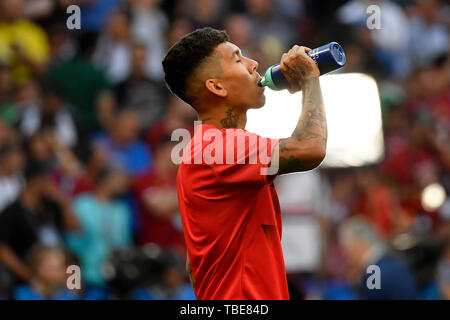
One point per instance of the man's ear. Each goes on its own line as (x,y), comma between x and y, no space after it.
(215,87)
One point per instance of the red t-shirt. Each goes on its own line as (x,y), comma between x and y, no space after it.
(231,216)
(152,228)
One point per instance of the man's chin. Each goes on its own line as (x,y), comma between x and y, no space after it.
(259,103)
(262,101)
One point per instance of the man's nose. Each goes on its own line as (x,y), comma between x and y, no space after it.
(253,65)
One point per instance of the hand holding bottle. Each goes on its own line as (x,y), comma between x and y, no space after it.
(297,67)
(328,58)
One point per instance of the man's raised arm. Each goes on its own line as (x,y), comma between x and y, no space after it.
(306,147)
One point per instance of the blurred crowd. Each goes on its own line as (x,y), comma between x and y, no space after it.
(86,176)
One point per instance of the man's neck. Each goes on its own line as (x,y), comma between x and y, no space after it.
(224,118)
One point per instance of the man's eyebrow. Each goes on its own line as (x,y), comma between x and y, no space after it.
(236,52)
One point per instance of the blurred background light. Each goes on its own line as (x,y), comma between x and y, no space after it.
(433,196)
(353,113)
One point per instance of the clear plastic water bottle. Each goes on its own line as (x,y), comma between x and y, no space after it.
(328,58)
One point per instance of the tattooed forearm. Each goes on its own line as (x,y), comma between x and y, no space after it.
(312,123)
(303,150)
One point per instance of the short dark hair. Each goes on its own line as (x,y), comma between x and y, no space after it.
(184,57)
(35,169)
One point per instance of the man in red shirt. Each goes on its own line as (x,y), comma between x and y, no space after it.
(229,207)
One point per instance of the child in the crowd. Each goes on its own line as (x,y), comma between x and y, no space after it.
(48,266)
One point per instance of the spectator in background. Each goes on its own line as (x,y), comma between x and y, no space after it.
(94,160)
(40,215)
(85,87)
(113,50)
(127,153)
(39,149)
(140,93)
(149,26)
(363,247)
(122,146)
(23,44)
(390,40)
(342,196)
(157,195)
(377,201)
(428,30)
(239,29)
(26,96)
(105,224)
(172,286)
(12,162)
(422,253)
(48,276)
(177,30)
(52,114)
(428,101)
(292,10)
(178,115)
(205,13)
(305,204)
(62,44)
(361,57)
(269,28)
(94,13)
(62,164)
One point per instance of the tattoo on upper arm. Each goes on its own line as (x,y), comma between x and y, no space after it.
(289,165)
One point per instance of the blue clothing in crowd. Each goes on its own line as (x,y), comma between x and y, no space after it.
(134,158)
(396,281)
(94,15)
(26,292)
(105,226)
(184,292)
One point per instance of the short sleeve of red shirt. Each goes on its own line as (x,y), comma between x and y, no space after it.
(231,215)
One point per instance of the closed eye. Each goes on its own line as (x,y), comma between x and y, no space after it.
(239,61)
